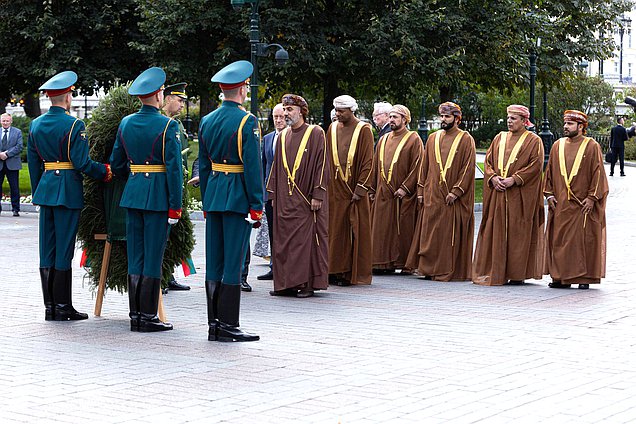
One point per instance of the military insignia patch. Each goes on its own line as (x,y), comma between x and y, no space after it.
(178,136)
(83,136)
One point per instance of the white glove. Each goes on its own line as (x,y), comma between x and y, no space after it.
(249,219)
(172,221)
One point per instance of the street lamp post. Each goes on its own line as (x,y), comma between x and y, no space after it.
(258,49)
(422,128)
(624,21)
(533,77)
(546,135)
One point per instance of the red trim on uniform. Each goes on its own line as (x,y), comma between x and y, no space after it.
(256,215)
(231,86)
(145,96)
(109,173)
(174,214)
(55,93)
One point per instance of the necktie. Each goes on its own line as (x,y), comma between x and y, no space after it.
(4,140)
(274,143)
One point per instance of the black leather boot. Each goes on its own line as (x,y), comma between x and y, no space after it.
(148,304)
(133,301)
(46,275)
(212,295)
(228,307)
(62,295)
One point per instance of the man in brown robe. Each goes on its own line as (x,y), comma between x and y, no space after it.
(576,190)
(393,193)
(350,152)
(510,241)
(297,186)
(443,244)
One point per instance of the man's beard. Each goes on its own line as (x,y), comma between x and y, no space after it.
(567,133)
(395,127)
(447,125)
(290,122)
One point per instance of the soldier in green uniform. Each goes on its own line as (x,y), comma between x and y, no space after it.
(232,192)
(174,98)
(57,155)
(147,150)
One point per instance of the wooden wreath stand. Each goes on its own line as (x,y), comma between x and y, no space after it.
(103,274)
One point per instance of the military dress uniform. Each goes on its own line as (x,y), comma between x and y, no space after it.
(57,155)
(147,150)
(232,193)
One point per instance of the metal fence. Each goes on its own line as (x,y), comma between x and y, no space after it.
(602,139)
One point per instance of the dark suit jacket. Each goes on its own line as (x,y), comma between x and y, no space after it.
(385,129)
(268,158)
(14,148)
(618,137)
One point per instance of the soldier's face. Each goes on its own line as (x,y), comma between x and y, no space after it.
(173,105)
(571,128)
(278,114)
(6,121)
(515,123)
(448,121)
(396,121)
(344,115)
(292,115)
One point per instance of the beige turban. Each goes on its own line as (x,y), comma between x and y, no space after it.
(402,110)
(345,102)
(521,111)
(576,116)
(450,108)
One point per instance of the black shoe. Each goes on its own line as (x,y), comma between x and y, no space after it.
(285,292)
(514,283)
(16,213)
(303,294)
(62,290)
(245,286)
(228,333)
(558,285)
(268,276)
(622,174)
(148,304)
(584,286)
(175,286)
(229,305)
(611,174)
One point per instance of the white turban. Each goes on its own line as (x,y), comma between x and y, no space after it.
(345,102)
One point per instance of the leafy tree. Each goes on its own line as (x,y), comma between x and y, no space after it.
(45,37)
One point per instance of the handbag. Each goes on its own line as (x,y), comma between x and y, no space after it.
(609,156)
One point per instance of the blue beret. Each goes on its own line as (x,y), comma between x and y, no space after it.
(234,74)
(148,82)
(62,81)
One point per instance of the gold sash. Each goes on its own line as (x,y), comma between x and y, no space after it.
(443,168)
(228,169)
(575,166)
(503,141)
(51,166)
(148,168)
(239,137)
(291,176)
(350,154)
(396,155)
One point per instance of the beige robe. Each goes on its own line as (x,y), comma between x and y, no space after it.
(392,219)
(443,244)
(300,253)
(575,250)
(510,239)
(350,221)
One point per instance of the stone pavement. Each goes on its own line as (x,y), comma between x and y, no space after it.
(401,350)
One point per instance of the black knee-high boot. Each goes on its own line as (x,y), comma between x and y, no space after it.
(228,307)
(62,295)
(133,301)
(211,295)
(148,305)
(46,276)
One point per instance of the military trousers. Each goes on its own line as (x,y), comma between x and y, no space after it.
(146,237)
(227,238)
(58,229)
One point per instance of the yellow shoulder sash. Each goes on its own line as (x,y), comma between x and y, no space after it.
(291,176)
(396,155)
(503,141)
(443,168)
(575,166)
(344,176)
(239,139)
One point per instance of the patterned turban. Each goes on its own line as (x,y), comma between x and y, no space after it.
(295,100)
(521,111)
(576,116)
(450,108)
(402,110)
(345,102)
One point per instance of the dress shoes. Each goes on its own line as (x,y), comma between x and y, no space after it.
(245,286)
(16,213)
(284,292)
(68,313)
(584,286)
(151,325)
(229,333)
(176,286)
(303,294)
(514,283)
(622,174)
(268,276)
(558,285)
(611,174)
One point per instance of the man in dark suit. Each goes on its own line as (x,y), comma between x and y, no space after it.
(381,118)
(10,162)
(618,137)
(269,147)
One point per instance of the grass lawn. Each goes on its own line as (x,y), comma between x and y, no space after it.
(25,183)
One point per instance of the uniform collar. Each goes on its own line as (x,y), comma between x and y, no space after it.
(57,110)
(148,109)
(229,103)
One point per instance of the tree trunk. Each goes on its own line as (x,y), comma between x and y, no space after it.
(3,106)
(32,105)
(330,92)
(445,94)
(206,104)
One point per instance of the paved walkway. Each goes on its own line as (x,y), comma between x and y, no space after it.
(401,350)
